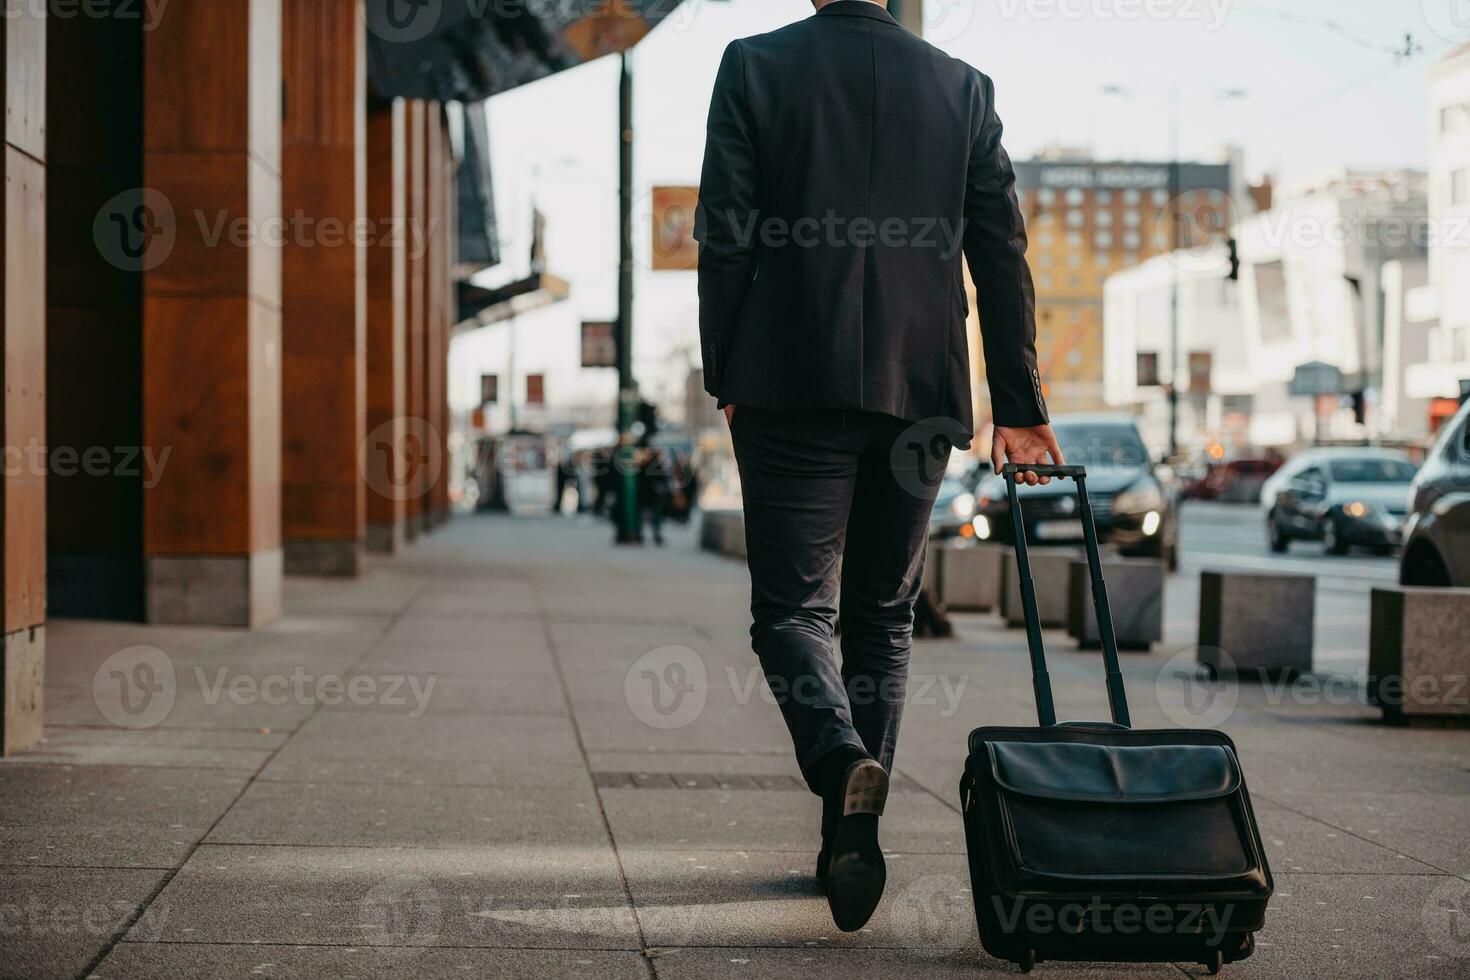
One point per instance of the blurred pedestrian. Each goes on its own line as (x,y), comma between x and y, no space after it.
(655,491)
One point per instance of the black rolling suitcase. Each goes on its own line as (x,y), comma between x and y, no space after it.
(1095,841)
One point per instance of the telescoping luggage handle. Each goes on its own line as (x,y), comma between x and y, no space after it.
(1046,712)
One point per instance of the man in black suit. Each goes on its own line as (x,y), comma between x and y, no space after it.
(850,168)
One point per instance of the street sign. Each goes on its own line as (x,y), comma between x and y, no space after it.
(1316,378)
(1201,370)
(599,344)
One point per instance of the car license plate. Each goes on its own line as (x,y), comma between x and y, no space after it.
(1059,531)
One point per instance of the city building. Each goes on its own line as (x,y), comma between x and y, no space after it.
(1089,220)
(1323,278)
(1441,378)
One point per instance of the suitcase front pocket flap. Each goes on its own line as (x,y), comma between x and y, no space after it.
(1081,772)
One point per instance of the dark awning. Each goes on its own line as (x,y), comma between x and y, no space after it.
(468,50)
(479,240)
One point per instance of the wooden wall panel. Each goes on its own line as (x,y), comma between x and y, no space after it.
(25,80)
(23,300)
(25,389)
(197,404)
(413,362)
(201,74)
(448,239)
(23,375)
(324,284)
(211,310)
(434,300)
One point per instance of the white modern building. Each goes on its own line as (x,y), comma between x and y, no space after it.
(1321,274)
(1438,378)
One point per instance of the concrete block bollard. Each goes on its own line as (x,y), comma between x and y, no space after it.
(1257,624)
(1419,653)
(1051,569)
(1135,596)
(723,532)
(970,575)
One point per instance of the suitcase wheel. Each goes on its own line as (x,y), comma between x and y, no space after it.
(1215,963)
(1027,962)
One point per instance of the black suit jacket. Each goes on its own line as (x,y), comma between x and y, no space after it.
(850,168)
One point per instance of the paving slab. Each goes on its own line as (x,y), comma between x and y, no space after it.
(56,920)
(762,898)
(778,762)
(181,695)
(1362,926)
(630,726)
(389,815)
(527,740)
(433,750)
(1298,843)
(106,817)
(872,964)
(1424,827)
(165,748)
(250,961)
(767,820)
(424,692)
(485,654)
(560,897)
(459,632)
(383,588)
(502,599)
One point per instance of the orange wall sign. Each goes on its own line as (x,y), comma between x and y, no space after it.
(674,247)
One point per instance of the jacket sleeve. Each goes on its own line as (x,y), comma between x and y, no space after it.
(995,247)
(727,216)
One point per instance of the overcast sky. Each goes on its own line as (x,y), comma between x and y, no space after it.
(1326,84)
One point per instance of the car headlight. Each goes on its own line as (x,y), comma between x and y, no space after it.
(963,506)
(1140,498)
(1357,509)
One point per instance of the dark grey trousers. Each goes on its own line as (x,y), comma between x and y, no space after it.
(821,489)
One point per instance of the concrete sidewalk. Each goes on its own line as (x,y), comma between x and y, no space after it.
(516,751)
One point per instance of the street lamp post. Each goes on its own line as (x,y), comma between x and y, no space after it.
(625,459)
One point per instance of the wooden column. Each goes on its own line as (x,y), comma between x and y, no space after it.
(324,300)
(23,363)
(414,476)
(449,239)
(433,307)
(387,323)
(212,313)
